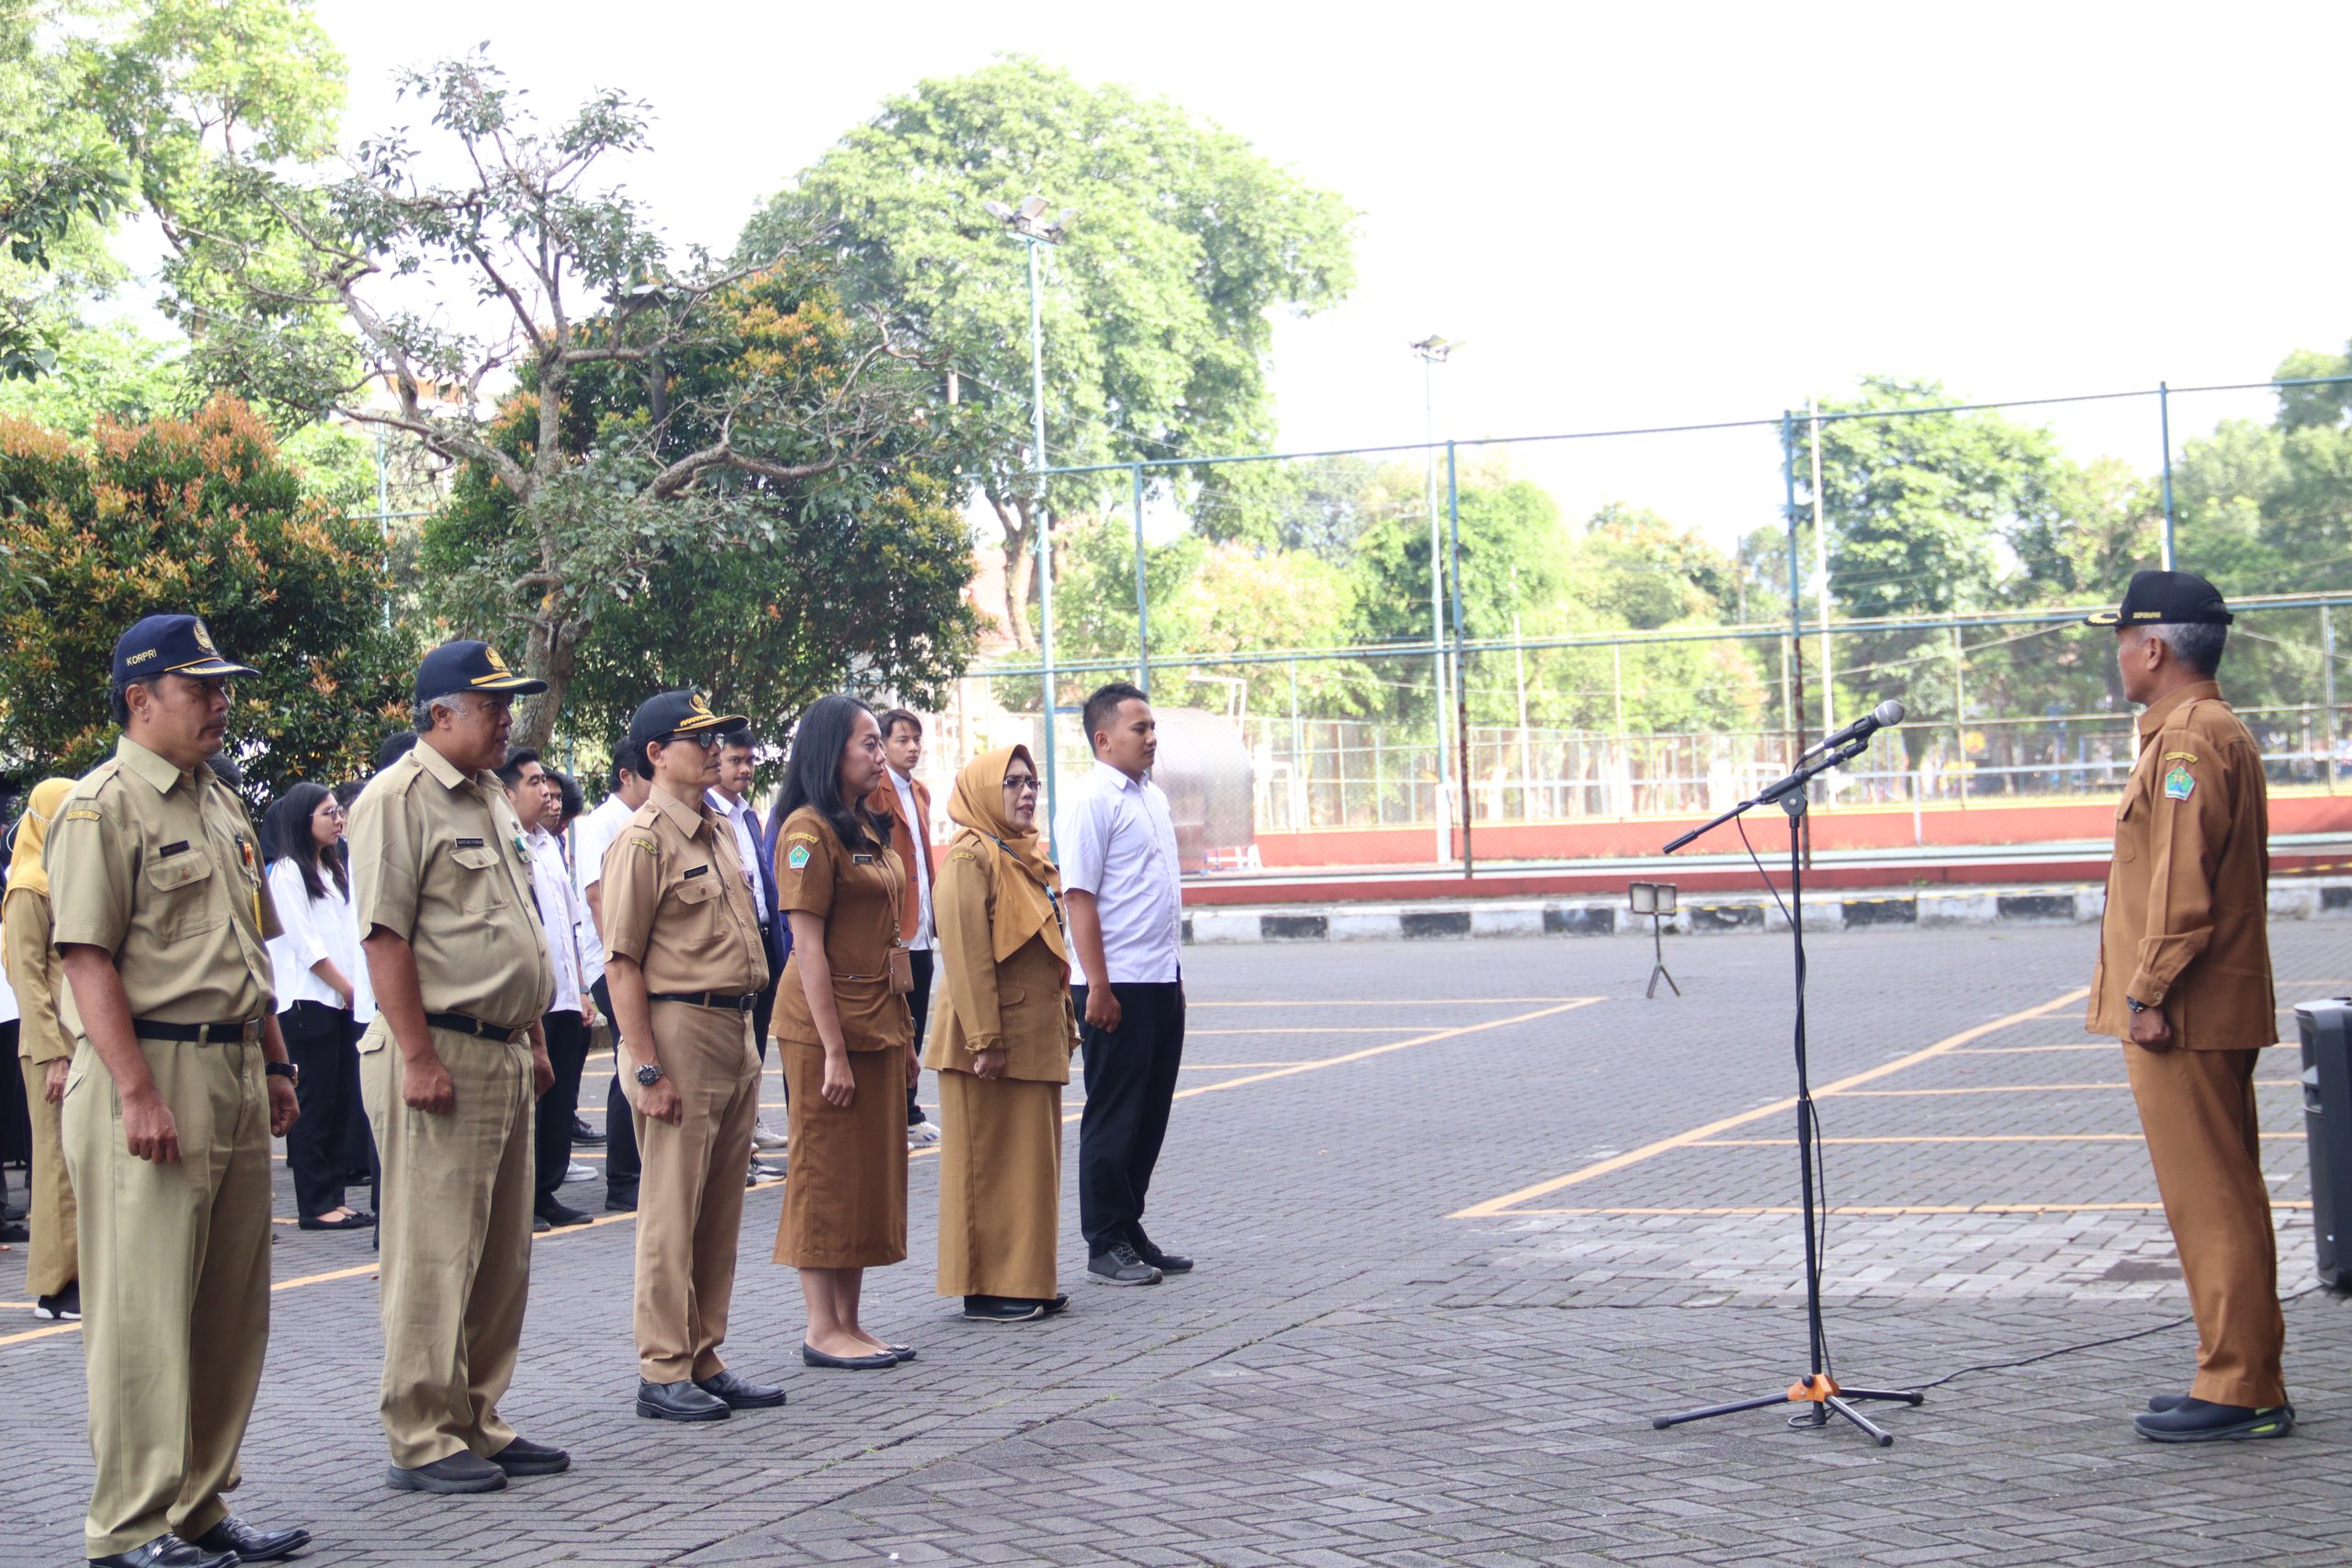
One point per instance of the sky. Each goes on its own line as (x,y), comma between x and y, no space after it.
(1629,215)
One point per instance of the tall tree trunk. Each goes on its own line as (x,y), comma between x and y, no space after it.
(551,653)
(1020,568)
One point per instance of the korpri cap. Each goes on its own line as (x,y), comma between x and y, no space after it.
(171,645)
(456,667)
(2166,598)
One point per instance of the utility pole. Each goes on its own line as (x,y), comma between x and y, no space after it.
(1821,572)
(1433,351)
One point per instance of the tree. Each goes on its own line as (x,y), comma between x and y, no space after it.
(763,593)
(206,516)
(522,267)
(1156,304)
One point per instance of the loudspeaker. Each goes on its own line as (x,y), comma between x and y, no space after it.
(2326,1028)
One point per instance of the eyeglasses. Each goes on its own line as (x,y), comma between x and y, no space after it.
(1021,783)
(705,739)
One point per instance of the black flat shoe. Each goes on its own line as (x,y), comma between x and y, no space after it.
(357,1220)
(558,1214)
(2201,1421)
(620,1202)
(460,1471)
(165,1552)
(232,1534)
(1002,1309)
(2158,1404)
(680,1401)
(740,1393)
(524,1457)
(812,1356)
(1165,1262)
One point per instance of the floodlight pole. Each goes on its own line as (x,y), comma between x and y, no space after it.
(1432,350)
(1045,516)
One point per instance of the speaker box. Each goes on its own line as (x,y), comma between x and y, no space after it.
(2326,1029)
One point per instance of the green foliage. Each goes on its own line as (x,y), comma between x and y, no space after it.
(109,372)
(204,516)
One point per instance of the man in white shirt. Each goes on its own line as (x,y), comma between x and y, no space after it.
(905,804)
(592,836)
(566,1031)
(731,797)
(1115,841)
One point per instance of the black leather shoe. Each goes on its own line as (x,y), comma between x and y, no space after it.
(250,1545)
(166,1552)
(812,1356)
(680,1401)
(1002,1309)
(461,1472)
(555,1212)
(2201,1421)
(524,1457)
(740,1393)
(1165,1262)
(583,1133)
(357,1220)
(620,1202)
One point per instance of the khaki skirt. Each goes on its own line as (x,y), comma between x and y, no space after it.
(845,1198)
(1000,1186)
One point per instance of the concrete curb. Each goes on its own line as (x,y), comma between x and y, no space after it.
(2304,898)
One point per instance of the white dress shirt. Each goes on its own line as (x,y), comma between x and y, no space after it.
(1115,838)
(591,837)
(920,831)
(325,927)
(745,819)
(559,912)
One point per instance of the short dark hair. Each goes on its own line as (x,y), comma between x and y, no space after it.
(891,718)
(1103,707)
(393,746)
(574,802)
(510,772)
(349,792)
(620,763)
(740,740)
(119,701)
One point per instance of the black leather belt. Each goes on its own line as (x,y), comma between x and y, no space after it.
(726,1001)
(459,1023)
(197,1033)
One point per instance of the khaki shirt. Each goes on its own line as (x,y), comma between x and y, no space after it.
(160,868)
(675,899)
(36,976)
(1021,1006)
(856,894)
(2188,897)
(438,858)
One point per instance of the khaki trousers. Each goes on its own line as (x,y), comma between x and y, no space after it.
(54,1260)
(2198,1109)
(690,1196)
(1000,1186)
(454,1214)
(174,1287)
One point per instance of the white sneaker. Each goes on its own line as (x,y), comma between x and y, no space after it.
(921,1133)
(764,1136)
(575,1172)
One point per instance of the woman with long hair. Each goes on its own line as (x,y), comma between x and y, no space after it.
(843,1030)
(1002,1051)
(316,961)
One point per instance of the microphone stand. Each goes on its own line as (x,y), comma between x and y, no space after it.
(1817,1388)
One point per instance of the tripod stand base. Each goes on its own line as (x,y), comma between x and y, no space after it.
(1823,1393)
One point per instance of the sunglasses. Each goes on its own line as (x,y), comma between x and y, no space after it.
(705,739)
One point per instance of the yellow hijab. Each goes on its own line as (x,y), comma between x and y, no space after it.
(25,867)
(1028,902)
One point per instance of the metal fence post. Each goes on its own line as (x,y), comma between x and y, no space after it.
(1796,590)
(1142,612)
(1461,675)
(2327,685)
(2164,422)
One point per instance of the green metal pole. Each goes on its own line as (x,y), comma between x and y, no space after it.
(1045,525)
(2163,422)
(1461,675)
(1143,610)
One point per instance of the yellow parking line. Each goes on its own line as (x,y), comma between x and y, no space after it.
(1321,1029)
(2005,1089)
(1509,1202)
(1894,1208)
(2094,1045)
(1950,1138)
(1386,1002)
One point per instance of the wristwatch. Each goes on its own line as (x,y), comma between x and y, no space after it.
(283,1070)
(2135,1004)
(649,1075)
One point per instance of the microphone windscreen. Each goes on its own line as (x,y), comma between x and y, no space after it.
(1888,712)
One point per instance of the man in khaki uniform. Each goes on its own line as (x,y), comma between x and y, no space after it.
(2184,979)
(159,917)
(451,1069)
(684,962)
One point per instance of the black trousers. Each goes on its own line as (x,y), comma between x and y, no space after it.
(622,1166)
(919,1003)
(322,1041)
(1130,1082)
(764,1009)
(15,1117)
(567,1034)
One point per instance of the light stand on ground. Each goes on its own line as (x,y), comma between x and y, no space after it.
(1654,899)
(1817,1388)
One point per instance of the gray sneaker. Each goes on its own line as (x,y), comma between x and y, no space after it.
(1120,1266)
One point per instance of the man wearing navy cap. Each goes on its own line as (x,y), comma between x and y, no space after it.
(160,921)
(684,962)
(2184,980)
(451,1070)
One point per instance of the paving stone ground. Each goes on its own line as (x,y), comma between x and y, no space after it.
(1386,1357)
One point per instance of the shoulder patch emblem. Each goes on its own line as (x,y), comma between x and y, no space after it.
(2180,756)
(797,857)
(648,845)
(2180,784)
(78,816)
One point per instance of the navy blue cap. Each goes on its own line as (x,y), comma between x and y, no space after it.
(667,713)
(468,665)
(170,645)
(2162,598)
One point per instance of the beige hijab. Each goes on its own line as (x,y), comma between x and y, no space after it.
(25,867)
(1028,902)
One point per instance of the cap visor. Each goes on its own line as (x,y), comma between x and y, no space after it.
(212,667)
(2103,618)
(521,686)
(725,723)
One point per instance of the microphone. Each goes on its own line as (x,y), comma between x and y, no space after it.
(1887,713)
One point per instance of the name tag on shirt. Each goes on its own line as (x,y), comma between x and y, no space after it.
(470,843)
(861,859)
(168,850)
(699,871)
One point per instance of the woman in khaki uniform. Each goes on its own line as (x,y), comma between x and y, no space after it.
(54,1272)
(845,1036)
(1002,1052)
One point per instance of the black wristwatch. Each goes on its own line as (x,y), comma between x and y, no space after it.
(2135,1004)
(649,1074)
(283,1070)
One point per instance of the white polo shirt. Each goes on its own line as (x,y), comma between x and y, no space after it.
(313,929)
(1115,838)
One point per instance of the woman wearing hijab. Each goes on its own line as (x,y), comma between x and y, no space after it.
(53,1274)
(845,1037)
(1002,1052)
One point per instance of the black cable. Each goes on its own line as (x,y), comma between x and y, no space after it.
(2088,1345)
